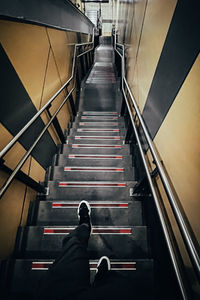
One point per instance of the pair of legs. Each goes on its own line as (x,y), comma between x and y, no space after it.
(69,276)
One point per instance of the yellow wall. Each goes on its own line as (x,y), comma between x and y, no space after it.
(147,30)
(42,58)
(178,138)
(46,56)
(181,131)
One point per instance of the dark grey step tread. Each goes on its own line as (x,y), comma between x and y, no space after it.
(52,213)
(123,150)
(64,160)
(90,124)
(116,140)
(97,112)
(34,243)
(99,119)
(88,192)
(26,280)
(97,131)
(99,173)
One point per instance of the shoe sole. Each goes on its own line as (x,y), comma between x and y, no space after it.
(88,207)
(89,212)
(108,262)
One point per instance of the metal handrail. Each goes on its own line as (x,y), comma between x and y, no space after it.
(192,252)
(15,139)
(35,117)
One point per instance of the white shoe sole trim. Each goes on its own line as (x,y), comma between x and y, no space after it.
(108,262)
(88,206)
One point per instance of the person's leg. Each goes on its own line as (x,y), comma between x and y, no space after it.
(69,275)
(109,284)
(103,270)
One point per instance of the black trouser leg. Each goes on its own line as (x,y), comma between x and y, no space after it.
(69,276)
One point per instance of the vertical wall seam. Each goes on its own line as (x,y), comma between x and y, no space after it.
(132,22)
(141,31)
(45,74)
(57,67)
(54,56)
(25,194)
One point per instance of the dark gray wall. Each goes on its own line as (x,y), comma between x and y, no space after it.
(61,14)
(16,109)
(181,47)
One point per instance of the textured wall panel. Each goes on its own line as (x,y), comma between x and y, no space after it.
(178,142)
(180,50)
(27,48)
(16,109)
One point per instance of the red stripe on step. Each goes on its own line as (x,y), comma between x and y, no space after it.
(105,112)
(88,123)
(38,266)
(109,205)
(93,169)
(117,265)
(98,117)
(112,231)
(97,137)
(54,231)
(123,266)
(95,146)
(93,205)
(41,265)
(77,184)
(96,156)
(93,265)
(57,231)
(97,130)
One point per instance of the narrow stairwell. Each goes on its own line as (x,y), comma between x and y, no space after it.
(96,165)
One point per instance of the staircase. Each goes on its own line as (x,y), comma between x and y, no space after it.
(96,165)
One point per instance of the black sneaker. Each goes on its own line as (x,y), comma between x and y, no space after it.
(103,267)
(83,212)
